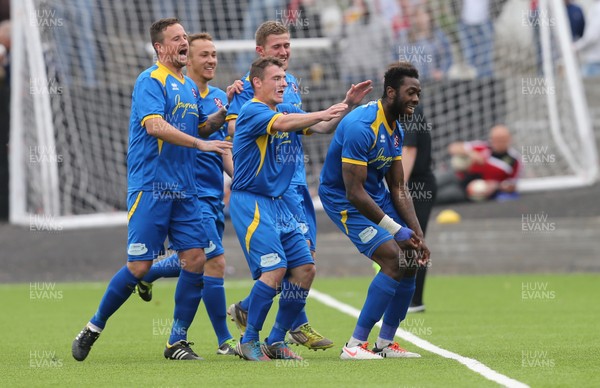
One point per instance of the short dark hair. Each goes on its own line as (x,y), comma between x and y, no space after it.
(268,28)
(200,36)
(259,65)
(395,74)
(157,28)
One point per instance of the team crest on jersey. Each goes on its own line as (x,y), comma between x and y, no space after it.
(218,102)
(194,92)
(396,141)
(294,87)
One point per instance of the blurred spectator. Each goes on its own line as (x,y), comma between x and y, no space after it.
(428,47)
(588,47)
(576,19)
(483,170)
(75,41)
(476,33)
(576,22)
(366,43)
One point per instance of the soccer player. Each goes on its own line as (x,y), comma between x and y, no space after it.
(161,202)
(201,68)
(269,234)
(273,39)
(365,150)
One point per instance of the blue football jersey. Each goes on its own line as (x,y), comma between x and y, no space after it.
(264,160)
(209,166)
(364,138)
(154,165)
(291,95)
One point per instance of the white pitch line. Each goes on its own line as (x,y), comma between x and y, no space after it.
(470,363)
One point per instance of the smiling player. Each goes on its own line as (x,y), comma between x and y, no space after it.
(365,150)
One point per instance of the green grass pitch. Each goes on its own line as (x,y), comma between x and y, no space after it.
(541,330)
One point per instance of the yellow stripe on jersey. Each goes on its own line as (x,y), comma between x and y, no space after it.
(253,226)
(270,125)
(354,161)
(135,205)
(379,119)
(160,143)
(397,158)
(344,214)
(231,117)
(205,93)
(262,142)
(150,117)
(163,72)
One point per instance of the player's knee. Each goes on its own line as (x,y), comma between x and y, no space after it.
(192,260)
(387,258)
(139,269)
(273,278)
(303,275)
(215,267)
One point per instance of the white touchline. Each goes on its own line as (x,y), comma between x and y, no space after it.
(470,363)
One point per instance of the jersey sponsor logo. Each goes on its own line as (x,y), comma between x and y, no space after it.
(174,86)
(270,259)
(211,248)
(137,249)
(382,159)
(184,107)
(367,234)
(382,138)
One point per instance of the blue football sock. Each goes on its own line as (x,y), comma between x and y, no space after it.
(118,291)
(245,304)
(187,297)
(214,300)
(301,319)
(167,268)
(291,301)
(261,299)
(397,308)
(380,293)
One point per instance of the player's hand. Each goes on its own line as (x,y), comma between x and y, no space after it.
(217,146)
(235,88)
(423,254)
(407,239)
(334,111)
(357,92)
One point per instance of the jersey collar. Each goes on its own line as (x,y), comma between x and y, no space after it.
(178,78)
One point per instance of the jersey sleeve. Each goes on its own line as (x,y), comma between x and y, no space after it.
(150,99)
(239,100)
(202,117)
(259,119)
(356,145)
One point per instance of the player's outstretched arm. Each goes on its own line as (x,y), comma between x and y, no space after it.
(216,146)
(354,96)
(160,129)
(228,164)
(297,121)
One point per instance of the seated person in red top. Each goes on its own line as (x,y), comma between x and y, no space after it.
(483,170)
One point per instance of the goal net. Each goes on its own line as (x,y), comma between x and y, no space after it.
(74,64)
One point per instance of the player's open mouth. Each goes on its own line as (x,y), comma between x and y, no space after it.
(183,53)
(410,109)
